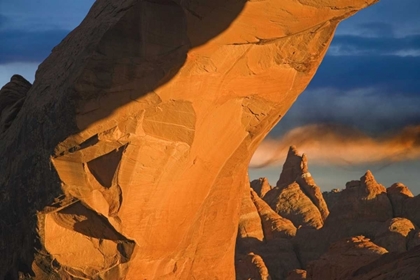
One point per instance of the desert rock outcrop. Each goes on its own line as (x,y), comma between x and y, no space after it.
(362,233)
(250,230)
(395,234)
(404,203)
(261,186)
(262,232)
(296,196)
(295,169)
(274,225)
(362,200)
(343,257)
(291,203)
(251,266)
(12,97)
(148,114)
(391,266)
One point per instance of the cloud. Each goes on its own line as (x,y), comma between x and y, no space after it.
(376,29)
(372,46)
(369,109)
(44,14)
(24,46)
(401,16)
(389,73)
(340,145)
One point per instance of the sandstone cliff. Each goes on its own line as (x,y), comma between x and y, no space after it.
(141,123)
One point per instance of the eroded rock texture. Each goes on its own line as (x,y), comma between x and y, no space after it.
(296,196)
(365,232)
(141,123)
(343,258)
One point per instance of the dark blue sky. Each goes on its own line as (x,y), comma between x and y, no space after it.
(369,79)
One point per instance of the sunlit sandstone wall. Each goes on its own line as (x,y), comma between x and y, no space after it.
(132,145)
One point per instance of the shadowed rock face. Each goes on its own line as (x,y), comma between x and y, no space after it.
(12,97)
(344,257)
(284,235)
(146,116)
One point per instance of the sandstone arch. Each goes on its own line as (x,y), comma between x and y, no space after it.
(187,89)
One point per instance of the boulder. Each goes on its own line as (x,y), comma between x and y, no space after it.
(394,234)
(251,266)
(343,257)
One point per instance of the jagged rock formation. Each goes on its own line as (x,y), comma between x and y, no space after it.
(274,226)
(273,247)
(261,186)
(12,97)
(362,200)
(365,225)
(292,203)
(296,196)
(295,169)
(147,115)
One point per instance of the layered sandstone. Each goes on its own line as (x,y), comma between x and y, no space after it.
(292,203)
(296,196)
(144,118)
(295,169)
(364,233)
(274,248)
(274,226)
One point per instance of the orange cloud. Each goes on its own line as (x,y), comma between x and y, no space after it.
(331,144)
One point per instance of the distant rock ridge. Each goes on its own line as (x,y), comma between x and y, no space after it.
(367,223)
(261,186)
(295,169)
(12,97)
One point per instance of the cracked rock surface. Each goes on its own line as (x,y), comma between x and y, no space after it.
(130,150)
